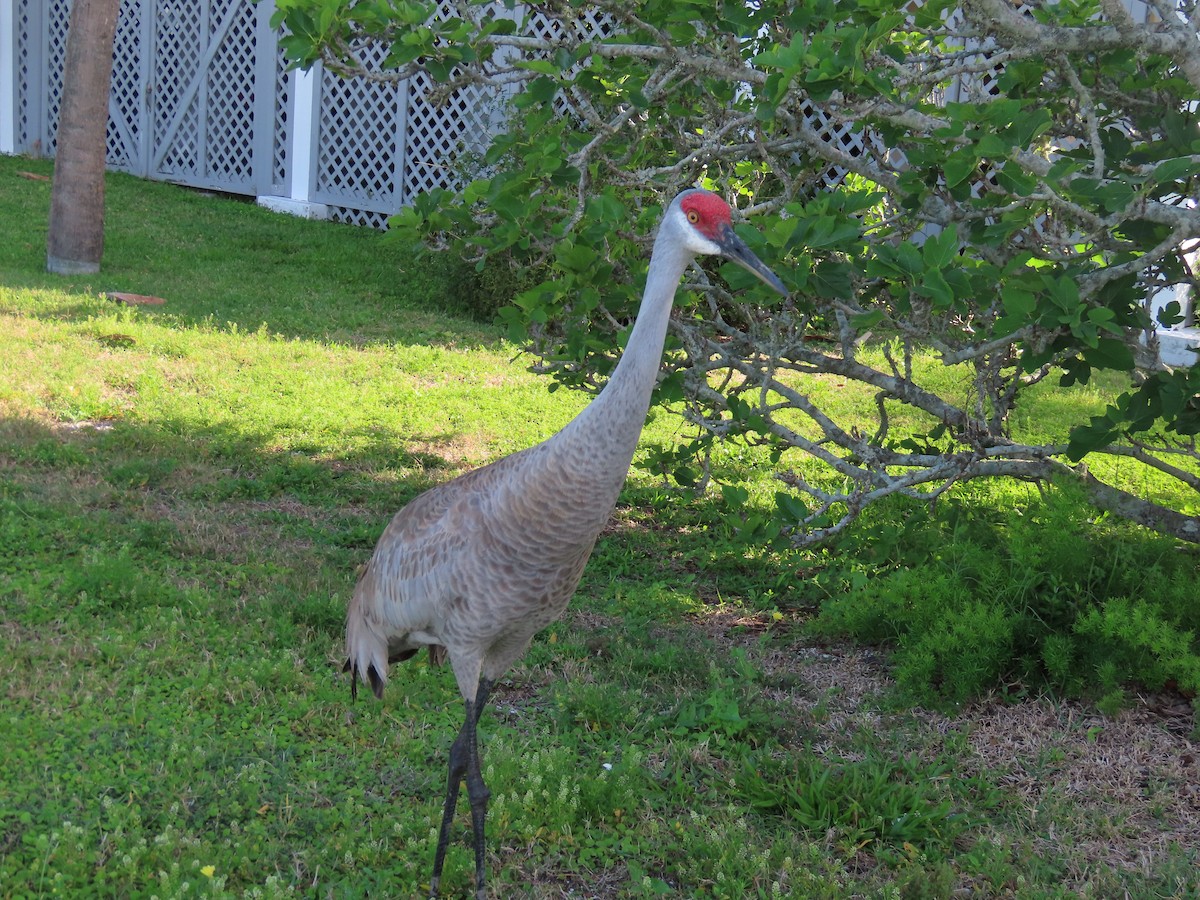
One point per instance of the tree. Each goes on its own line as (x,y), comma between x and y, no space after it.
(75,241)
(1005,187)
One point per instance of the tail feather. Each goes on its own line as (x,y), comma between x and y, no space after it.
(366,651)
(373,677)
(374,637)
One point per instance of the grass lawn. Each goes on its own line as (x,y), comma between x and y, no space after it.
(188,490)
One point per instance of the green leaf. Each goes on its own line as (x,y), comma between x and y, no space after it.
(1110,353)
(1017,302)
(992,146)
(1177,169)
(1170,314)
(1016,180)
(909,258)
(934,286)
(960,165)
(685,476)
(833,279)
(1029,124)
(1084,439)
(577,258)
(867,320)
(941,249)
(541,66)
(791,506)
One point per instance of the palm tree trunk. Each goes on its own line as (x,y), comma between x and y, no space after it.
(75,240)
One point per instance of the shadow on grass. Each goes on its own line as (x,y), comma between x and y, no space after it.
(215,463)
(124,518)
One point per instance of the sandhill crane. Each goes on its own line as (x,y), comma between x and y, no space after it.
(473,568)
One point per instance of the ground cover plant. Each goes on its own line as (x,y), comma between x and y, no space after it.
(985,698)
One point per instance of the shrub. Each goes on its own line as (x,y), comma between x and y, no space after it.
(973,601)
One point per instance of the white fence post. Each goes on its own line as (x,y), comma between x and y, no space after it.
(305,97)
(8,77)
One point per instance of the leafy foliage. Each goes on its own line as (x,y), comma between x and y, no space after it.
(977,602)
(1005,187)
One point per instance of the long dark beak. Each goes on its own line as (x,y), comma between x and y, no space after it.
(734,249)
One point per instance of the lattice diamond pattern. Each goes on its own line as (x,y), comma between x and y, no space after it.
(845,136)
(229,80)
(446,136)
(356,161)
(363,217)
(978,87)
(378,145)
(58,18)
(24,75)
(281,127)
(125,105)
(588,25)
(177,50)
(445,141)
(204,65)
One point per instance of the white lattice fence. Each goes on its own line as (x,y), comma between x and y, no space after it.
(380,144)
(126,128)
(359,141)
(184,80)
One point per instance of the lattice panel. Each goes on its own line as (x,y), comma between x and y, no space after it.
(229,83)
(281,128)
(362,217)
(588,25)
(445,141)
(176,114)
(25,77)
(447,134)
(125,124)
(844,136)
(123,131)
(981,86)
(58,19)
(357,149)
(204,114)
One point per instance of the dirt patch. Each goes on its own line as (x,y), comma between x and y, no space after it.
(1127,788)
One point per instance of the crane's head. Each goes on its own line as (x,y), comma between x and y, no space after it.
(705,221)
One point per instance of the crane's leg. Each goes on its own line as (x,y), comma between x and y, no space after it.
(478,794)
(464,765)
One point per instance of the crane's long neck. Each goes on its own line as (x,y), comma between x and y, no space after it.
(612,423)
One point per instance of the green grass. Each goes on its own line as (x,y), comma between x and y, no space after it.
(187,491)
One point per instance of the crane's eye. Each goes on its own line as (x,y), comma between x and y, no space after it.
(693,216)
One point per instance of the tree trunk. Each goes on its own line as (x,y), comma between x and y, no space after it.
(76,236)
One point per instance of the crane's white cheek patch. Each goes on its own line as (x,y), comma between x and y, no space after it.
(701,245)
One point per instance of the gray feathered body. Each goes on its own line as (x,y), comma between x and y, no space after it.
(480,564)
